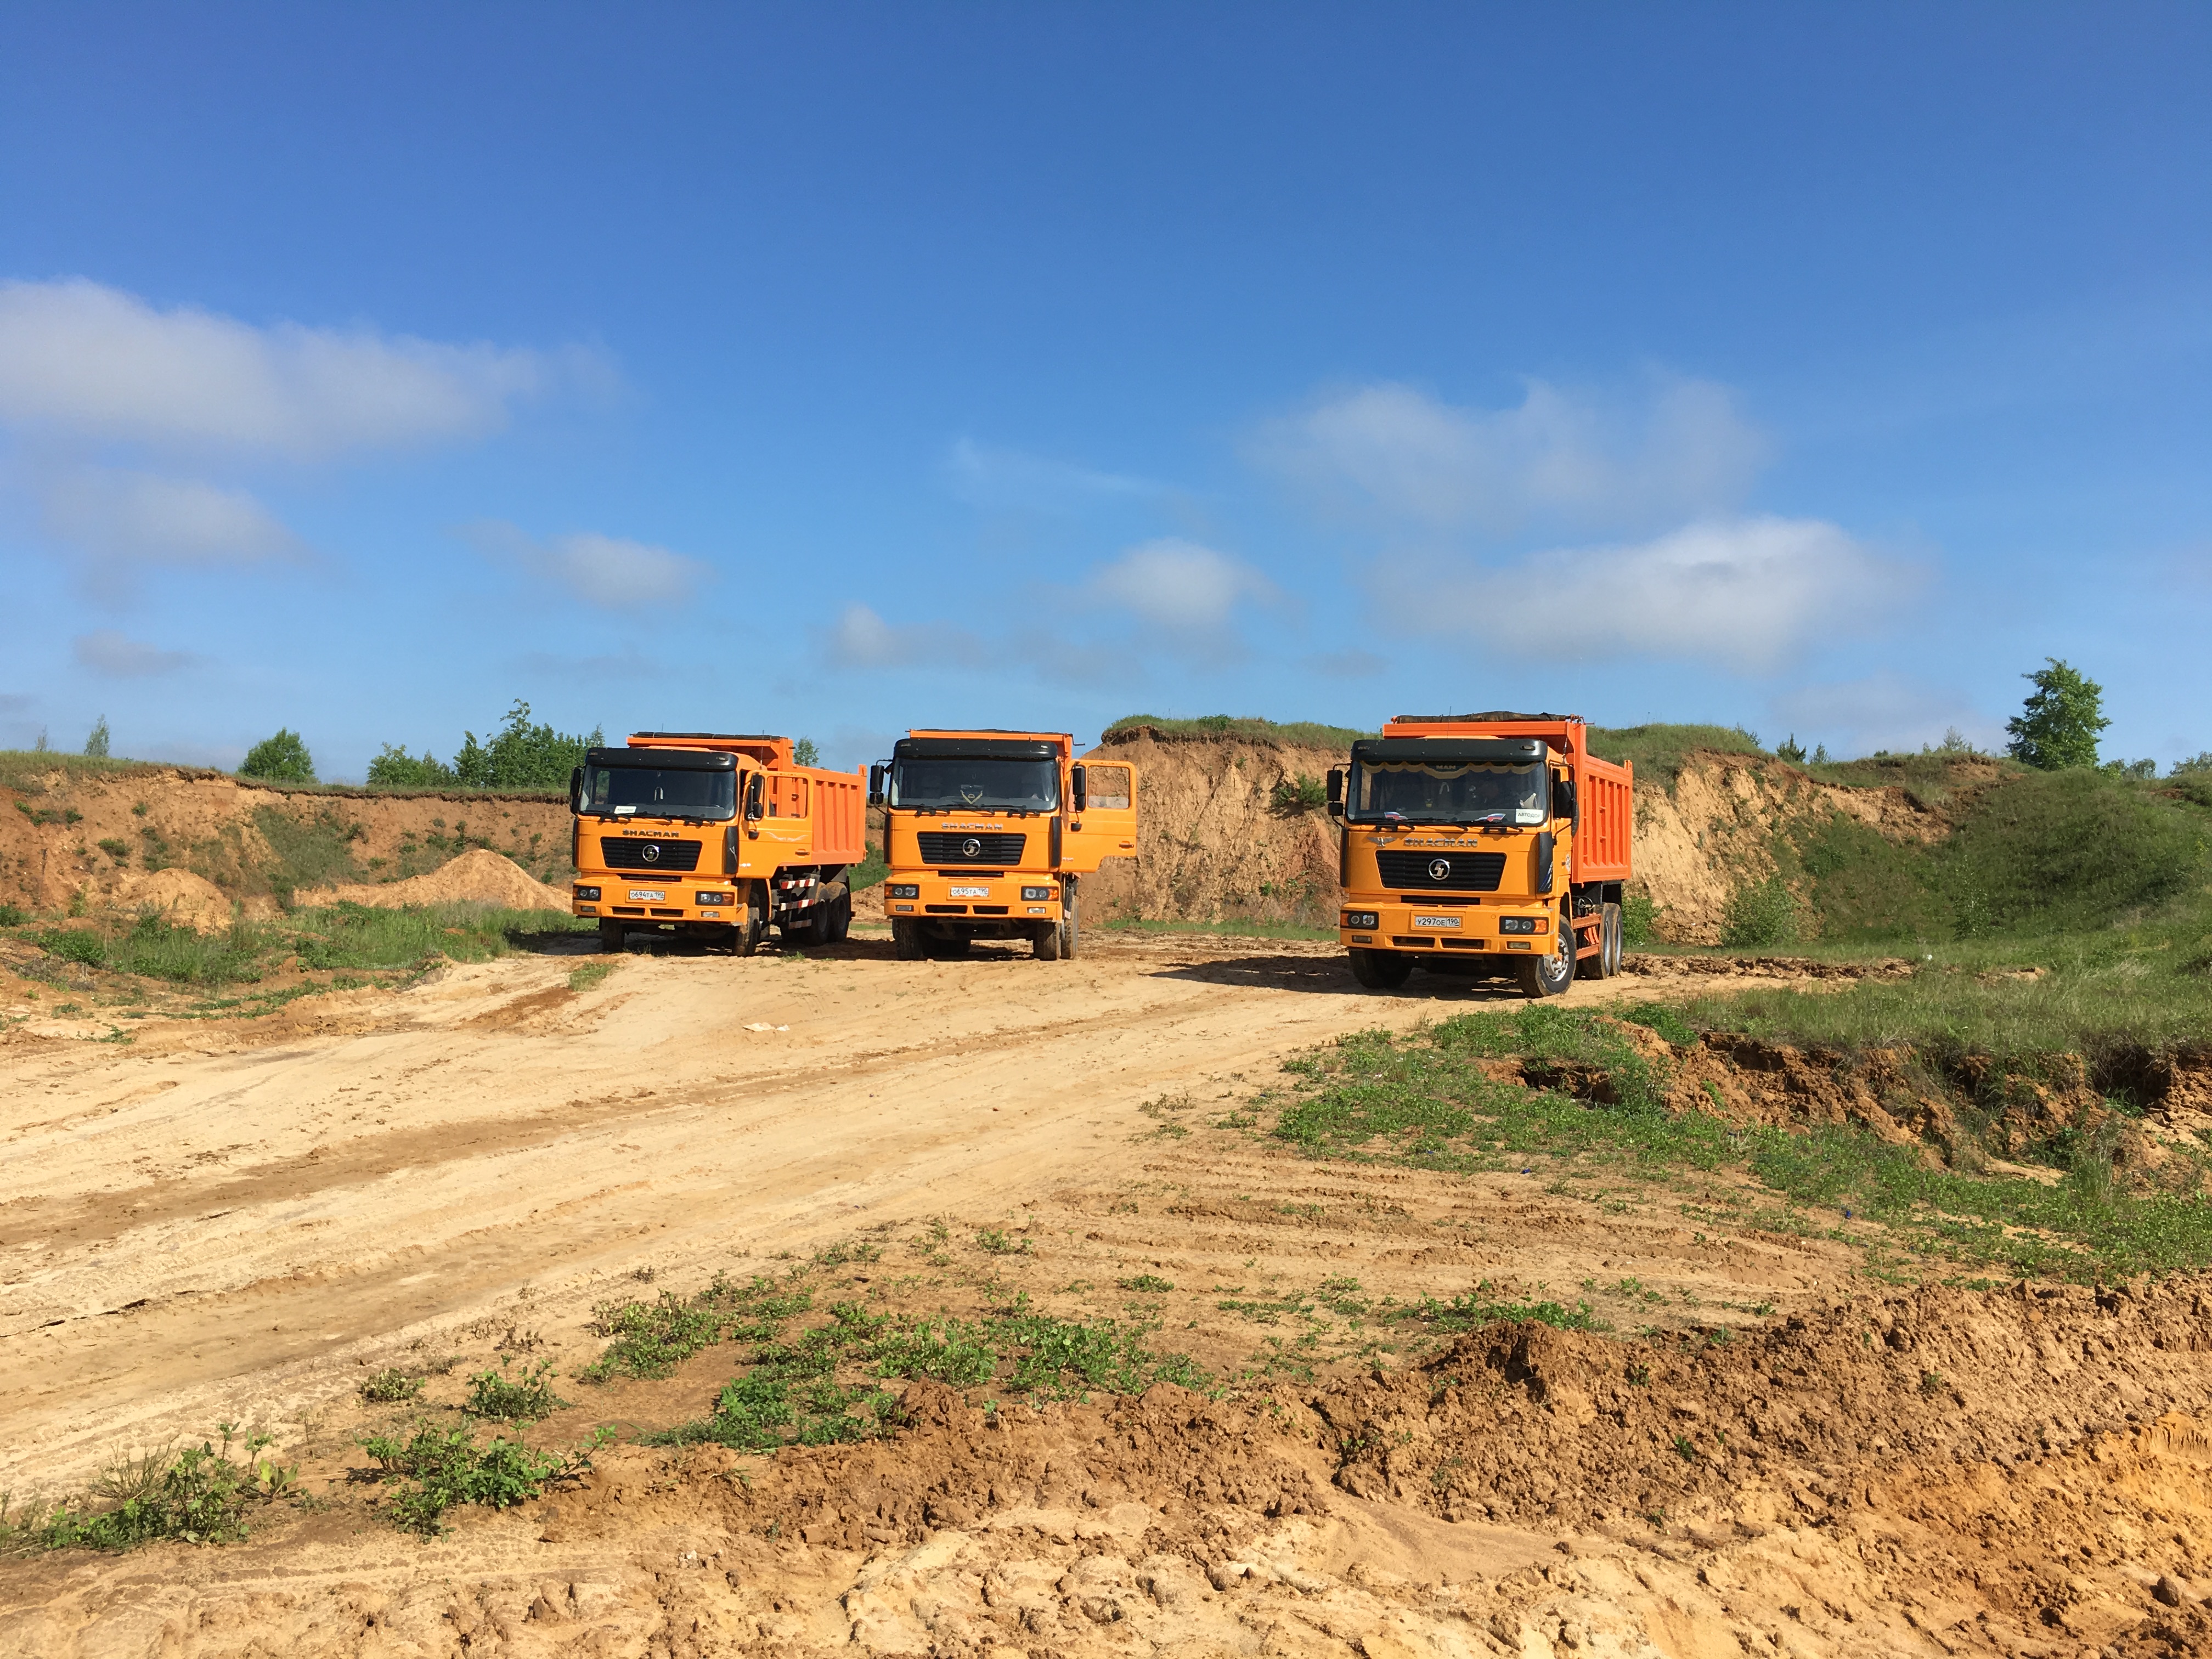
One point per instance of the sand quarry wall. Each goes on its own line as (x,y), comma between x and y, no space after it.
(1211,844)
(191,840)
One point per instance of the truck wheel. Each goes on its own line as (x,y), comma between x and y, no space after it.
(815,930)
(1046,943)
(1592,967)
(1612,941)
(1380,970)
(611,937)
(754,928)
(841,918)
(906,940)
(1071,922)
(1550,975)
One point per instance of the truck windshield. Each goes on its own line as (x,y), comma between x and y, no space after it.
(656,792)
(955,782)
(1441,791)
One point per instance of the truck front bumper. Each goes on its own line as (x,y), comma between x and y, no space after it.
(1014,896)
(1394,925)
(660,900)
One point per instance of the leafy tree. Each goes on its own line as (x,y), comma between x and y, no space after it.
(96,744)
(1791,751)
(395,768)
(521,755)
(2058,727)
(804,753)
(283,758)
(2202,763)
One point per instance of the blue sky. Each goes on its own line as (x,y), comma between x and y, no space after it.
(831,369)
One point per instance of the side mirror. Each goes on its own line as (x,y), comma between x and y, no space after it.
(753,796)
(576,789)
(1081,783)
(1336,792)
(1563,799)
(876,785)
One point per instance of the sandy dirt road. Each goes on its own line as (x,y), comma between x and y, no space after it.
(238,1222)
(224,1221)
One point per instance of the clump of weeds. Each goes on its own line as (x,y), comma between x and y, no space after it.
(200,1495)
(494,1394)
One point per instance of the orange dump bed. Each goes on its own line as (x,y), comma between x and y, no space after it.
(1605,804)
(834,803)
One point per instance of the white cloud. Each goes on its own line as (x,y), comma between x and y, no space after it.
(1883,710)
(861,639)
(84,361)
(1743,593)
(607,571)
(1179,586)
(138,518)
(985,475)
(1391,449)
(105,651)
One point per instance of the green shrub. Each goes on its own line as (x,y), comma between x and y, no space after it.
(1300,793)
(283,758)
(492,1394)
(11,915)
(395,768)
(74,944)
(1639,919)
(391,1386)
(198,1496)
(652,1338)
(438,1469)
(95,744)
(1762,914)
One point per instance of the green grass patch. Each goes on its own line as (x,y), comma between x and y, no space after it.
(200,1495)
(1296,734)
(522,1399)
(589,975)
(1471,1310)
(1659,752)
(1422,1100)
(437,1469)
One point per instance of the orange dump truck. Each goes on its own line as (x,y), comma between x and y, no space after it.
(1482,844)
(988,834)
(717,836)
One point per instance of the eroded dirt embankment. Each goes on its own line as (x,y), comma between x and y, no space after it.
(179,838)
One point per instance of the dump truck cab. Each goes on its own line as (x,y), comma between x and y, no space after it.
(716,836)
(1482,844)
(988,834)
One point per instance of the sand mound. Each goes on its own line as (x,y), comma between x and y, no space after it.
(483,877)
(178,895)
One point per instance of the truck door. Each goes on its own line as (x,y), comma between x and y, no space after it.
(1108,819)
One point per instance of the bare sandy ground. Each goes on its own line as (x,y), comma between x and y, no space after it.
(236,1222)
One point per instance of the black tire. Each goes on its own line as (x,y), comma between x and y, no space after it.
(1071,922)
(611,935)
(1046,943)
(754,928)
(841,918)
(815,930)
(1380,970)
(1549,975)
(906,939)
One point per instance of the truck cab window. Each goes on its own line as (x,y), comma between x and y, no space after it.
(954,783)
(1440,792)
(660,792)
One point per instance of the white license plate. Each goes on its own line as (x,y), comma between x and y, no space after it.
(639,896)
(1437,921)
(968,892)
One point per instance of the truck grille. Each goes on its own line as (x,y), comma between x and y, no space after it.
(677,855)
(1466,872)
(949,847)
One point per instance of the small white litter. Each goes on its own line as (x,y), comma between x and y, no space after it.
(762,1025)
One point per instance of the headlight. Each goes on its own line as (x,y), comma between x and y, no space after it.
(1362,919)
(587,892)
(1034,895)
(1520,924)
(906,890)
(718,898)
